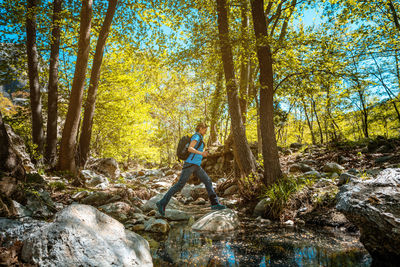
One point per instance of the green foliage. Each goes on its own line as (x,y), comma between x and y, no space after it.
(279,193)
(326,199)
(57,186)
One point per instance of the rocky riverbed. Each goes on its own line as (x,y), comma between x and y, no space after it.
(54,222)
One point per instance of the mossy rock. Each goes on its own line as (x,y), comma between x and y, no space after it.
(34,178)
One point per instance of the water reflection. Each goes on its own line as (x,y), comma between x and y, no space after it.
(272,246)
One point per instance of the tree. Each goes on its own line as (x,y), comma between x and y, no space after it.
(52,110)
(35,98)
(272,168)
(68,140)
(243,154)
(84,141)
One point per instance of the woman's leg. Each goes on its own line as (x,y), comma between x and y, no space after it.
(187,170)
(205,179)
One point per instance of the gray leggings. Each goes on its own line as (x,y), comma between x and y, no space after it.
(187,170)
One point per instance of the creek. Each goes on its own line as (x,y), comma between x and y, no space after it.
(257,244)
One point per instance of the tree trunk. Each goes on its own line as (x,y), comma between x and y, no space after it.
(35,98)
(259,138)
(309,122)
(272,168)
(245,62)
(84,142)
(244,156)
(68,141)
(215,108)
(364,113)
(51,147)
(319,124)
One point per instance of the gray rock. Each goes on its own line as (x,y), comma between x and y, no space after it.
(41,204)
(176,215)
(383,159)
(345,178)
(373,206)
(11,230)
(151,203)
(107,166)
(157,226)
(21,210)
(97,199)
(300,167)
(118,210)
(261,207)
(231,190)
(93,179)
(332,167)
(83,236)
(187,190)
(217,221)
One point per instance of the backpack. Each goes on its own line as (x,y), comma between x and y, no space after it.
(183,145)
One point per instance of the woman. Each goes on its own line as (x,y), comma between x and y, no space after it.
(192,165)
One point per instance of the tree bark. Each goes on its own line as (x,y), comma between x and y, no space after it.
(10,163)
(309,122)
(243,155)
(316,117)
(394,14)
(52,113)
(84,142)
(68,140)
(35,98)
(272,168)
(245,62)
(215,108)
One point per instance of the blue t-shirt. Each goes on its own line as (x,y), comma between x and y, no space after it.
(196,158)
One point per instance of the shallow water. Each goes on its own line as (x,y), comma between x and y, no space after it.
(254,244)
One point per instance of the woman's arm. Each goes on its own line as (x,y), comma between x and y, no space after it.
(191,149)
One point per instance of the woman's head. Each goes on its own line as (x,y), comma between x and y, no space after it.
(201,128)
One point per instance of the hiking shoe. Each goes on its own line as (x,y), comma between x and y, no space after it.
(161,208)
(218,207)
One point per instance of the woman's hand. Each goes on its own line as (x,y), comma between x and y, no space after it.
(204,153)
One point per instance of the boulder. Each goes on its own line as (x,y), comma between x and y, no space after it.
(300,167)
(261,207)
(374,207)
(217,221)
(231,190)
(344,178)
(157,226)
(176,215)
(332,167)
(93,179)
(12,230)
(83,236)
(151,203)
(107,166)
(40,203)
